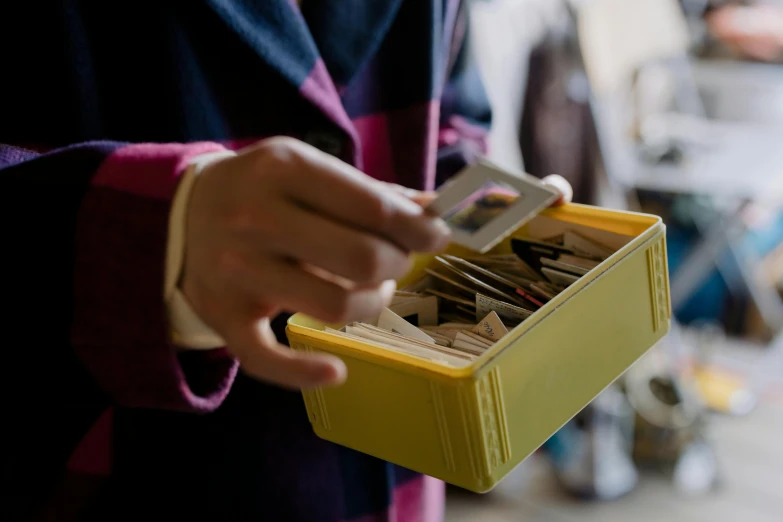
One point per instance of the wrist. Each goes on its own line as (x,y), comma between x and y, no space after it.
(175,252)
(187,328)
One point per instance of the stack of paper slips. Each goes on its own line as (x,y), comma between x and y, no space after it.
(453,344)
(463,306)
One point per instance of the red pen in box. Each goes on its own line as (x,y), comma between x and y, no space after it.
(529,297)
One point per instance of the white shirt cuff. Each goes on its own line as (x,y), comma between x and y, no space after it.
(187,329)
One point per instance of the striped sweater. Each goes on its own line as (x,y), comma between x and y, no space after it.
(101,106)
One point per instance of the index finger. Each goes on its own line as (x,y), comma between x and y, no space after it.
(345,194)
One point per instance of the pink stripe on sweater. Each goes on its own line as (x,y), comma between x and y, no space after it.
(320,90)
(126,169)
(119,325)
(458,129)
(376,151)
(431,161)
(420,500)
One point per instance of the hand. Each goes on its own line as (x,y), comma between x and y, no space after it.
(283,226)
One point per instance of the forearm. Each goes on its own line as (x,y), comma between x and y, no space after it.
(87,230)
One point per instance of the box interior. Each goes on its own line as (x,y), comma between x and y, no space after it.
(601,226)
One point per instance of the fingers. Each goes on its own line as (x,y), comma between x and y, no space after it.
(295,289)
(562,185)
(261,356)
(421,198)
(413,232)
(347,196)
(354,255)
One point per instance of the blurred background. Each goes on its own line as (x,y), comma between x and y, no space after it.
(673,107)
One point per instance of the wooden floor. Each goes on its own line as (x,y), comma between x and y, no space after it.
(751,460)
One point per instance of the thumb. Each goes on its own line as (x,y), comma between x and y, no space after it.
(260,355)
(562,185)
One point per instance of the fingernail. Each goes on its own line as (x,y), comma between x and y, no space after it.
(387,290)
(425,201)
(335,373)
(405,204)
(443,232)
(442,227)
(327,371)
(410,193)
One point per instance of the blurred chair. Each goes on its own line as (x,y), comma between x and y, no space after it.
(731,163)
